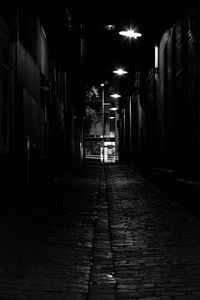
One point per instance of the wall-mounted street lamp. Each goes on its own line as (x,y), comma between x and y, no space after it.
(115,96)
(130,33)
(156,57)
(156,64)
(113,108)
(109,27)
(120,72)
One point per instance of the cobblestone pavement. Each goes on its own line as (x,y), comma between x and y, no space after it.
(105,234)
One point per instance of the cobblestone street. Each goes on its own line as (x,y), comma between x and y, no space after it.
(104,233)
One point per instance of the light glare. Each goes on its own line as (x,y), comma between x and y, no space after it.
(120,72)
(115,96)
(130,33)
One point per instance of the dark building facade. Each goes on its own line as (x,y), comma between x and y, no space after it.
(41,96)
(160,118)
(177,94)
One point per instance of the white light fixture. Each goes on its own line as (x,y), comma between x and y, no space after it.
(120,71)
(102,84)
(115,96)
(111,118)
(109,27)
(156,56)
(130,33)
(113,108)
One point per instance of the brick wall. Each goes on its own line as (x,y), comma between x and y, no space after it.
(178,95)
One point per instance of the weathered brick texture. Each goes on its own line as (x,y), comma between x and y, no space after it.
(178,94)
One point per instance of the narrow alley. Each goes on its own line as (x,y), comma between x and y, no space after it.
(99,150)
(103,232)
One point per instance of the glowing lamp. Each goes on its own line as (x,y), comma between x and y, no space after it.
(156,56)
(115,96)
(130,33)
(120,72)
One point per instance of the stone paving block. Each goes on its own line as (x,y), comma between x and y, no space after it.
(102,234)
(155,298)
(186,297)
(101,292)
(79,288)
(97,296)
(123,294)
(76,297)
(11,294)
